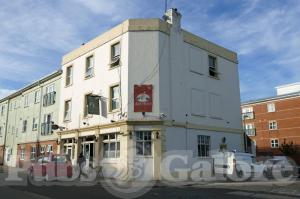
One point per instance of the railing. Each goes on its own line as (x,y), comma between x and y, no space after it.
(49,99)
(250,132)
(248,115)
(46,129)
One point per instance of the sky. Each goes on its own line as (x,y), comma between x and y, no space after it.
(265,34)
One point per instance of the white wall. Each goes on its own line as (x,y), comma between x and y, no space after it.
(289,88)
(99,84)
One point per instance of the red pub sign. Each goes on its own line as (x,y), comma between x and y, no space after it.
(143,100)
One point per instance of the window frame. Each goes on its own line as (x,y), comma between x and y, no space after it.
(2,109)
(271,107)
(85,104)
(271,125)
(213,68)
(22,153)
(142,141)
(207,151)
(69,76)
(86,75)
(111,109)
(34,124)
(26,100)
(69,111)
(33,153)
(37,96)
(115,61)
(24,126)
(116,141)
(274,144)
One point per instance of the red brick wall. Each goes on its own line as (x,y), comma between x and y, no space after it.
(26,162)
(287,115)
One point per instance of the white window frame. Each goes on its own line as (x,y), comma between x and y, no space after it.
(89,66)
(108,140)
(67,110)
(114,99)
(26,100)
(42,150)
(143,138)
(213,68)
(2,110)
(50,88)
(273,125)
(34,124)
(69,77)
(37,96)
(22,153)
(271,107)
(205,141)
(33,153)
(274,143)
(24,126)
(49,148)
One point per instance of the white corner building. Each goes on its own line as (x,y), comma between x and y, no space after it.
(144,88)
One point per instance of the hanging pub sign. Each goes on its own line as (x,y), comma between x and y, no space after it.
(143,100)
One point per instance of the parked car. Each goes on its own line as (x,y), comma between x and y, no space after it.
(278,167)
(236,166)
(50,168)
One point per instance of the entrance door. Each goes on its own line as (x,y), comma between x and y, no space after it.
(87,150)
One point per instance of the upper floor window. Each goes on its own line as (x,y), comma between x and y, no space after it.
(115,54)
(274,143)
(250,129)
(89,66)
(33,153)
(22,153)
(69,75)
(67,110)
(37,96)
(111,145)
(272,125)
(114,97)
(46,126)
(247,113)
(271,107)
(212,64)
(49,97)
(2,110)
(203,145)
(26,100)
(34,124)
(24,129)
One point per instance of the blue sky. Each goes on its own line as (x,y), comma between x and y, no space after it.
(265,34)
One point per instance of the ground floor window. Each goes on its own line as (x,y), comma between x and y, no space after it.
(33,153)
(49,148)
(143,143)
(111,145)
(203,145)
(42,150)
(22,153)
(274,143)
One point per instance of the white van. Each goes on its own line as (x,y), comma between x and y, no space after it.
(233,165)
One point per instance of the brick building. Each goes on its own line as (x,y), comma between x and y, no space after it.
(274,121)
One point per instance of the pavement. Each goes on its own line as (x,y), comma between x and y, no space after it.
(109,188)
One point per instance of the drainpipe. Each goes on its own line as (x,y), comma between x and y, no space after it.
(5,131)
(40,118)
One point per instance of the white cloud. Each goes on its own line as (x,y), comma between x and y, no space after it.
(5,92)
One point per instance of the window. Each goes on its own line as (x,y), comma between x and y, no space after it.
(114,97)
(143,143)
(272,125)
(24,129)
(271,107)
(34,124)
(2,110)
(0,131)
(49,97)
(250,129)
(203,145)
(67,112)
(49,149)
(46,126)
(69,76)
(212,64)
(111,145)
(89,66)
(37,96)
(22,153)
(274,143)
(26,100)
(92,105)
(115,54)
(42,150)
(33,153)
(247,113)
